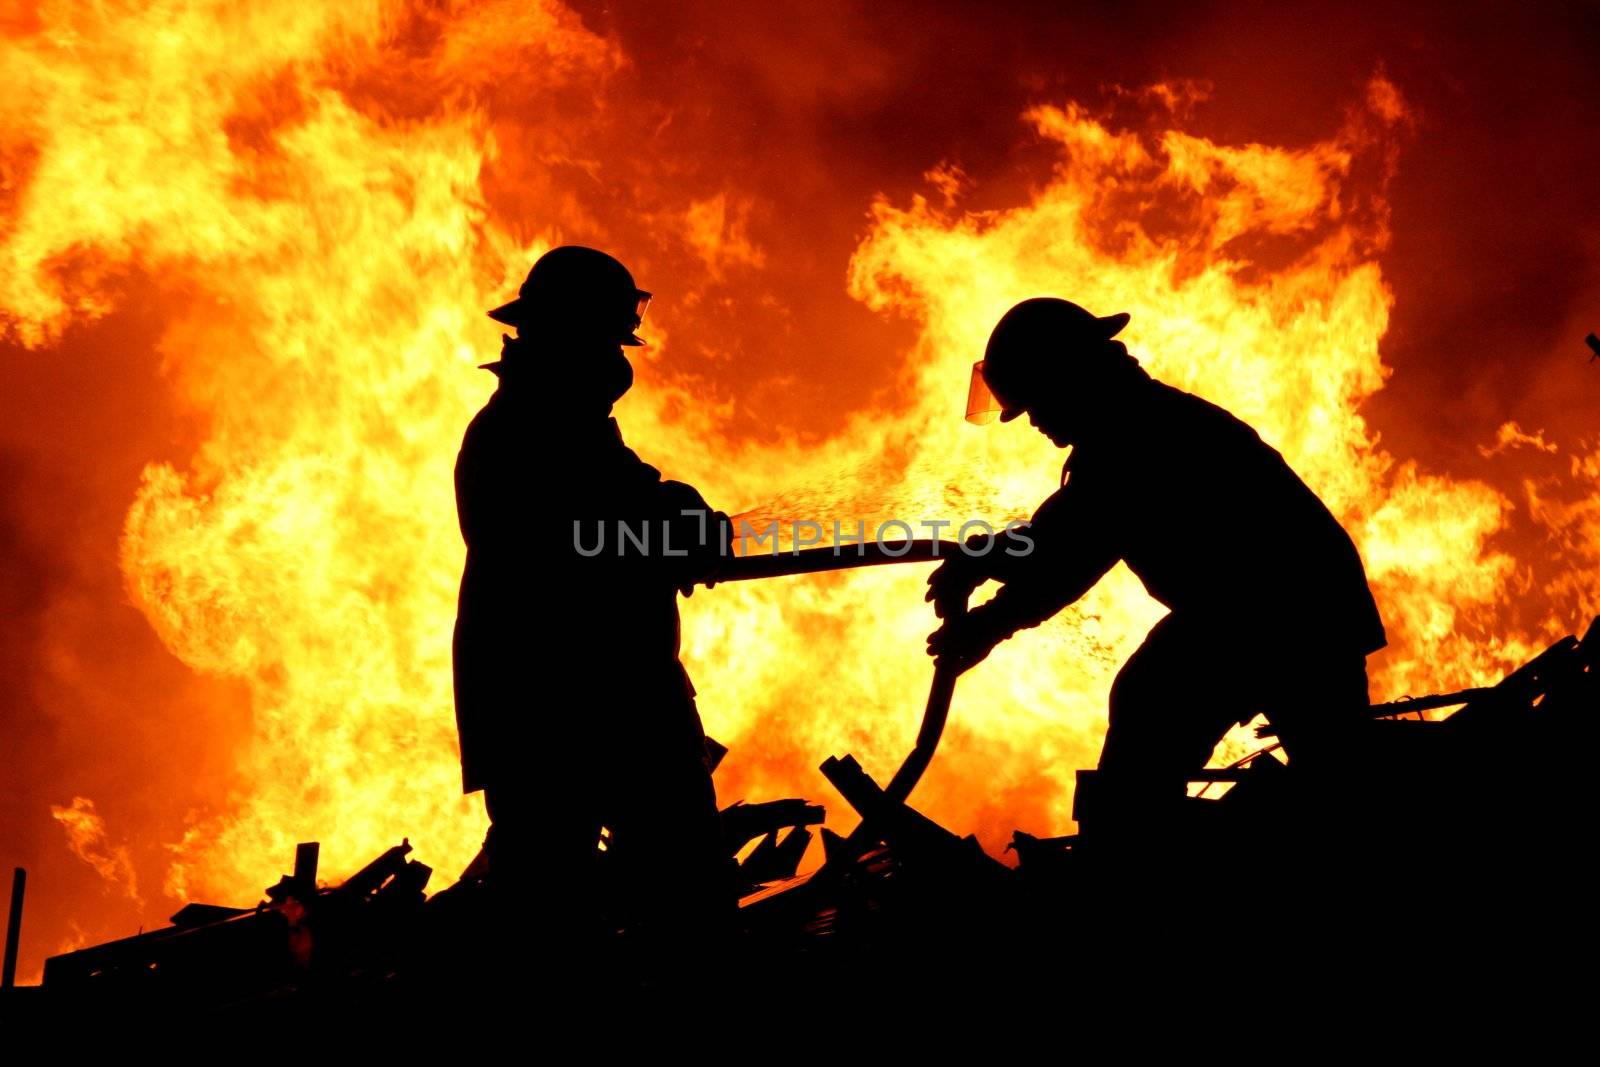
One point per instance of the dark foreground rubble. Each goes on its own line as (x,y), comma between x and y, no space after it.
(1450,858)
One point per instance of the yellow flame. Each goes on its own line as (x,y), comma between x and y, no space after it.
(86,836)
(1176,230)
(326,259)
(316,222)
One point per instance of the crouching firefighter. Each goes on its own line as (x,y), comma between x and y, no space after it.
(1270,610)
(574,711)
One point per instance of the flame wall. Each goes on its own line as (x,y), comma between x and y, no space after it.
(245,255)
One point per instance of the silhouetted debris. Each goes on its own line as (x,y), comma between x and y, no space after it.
(1594,344)
(303,881)
(8,966)
(1449,852)
(743,823)
(205,914)
(777,856)
(300,935)
(912,835)
(715,751)
(1036,853)
(773,859)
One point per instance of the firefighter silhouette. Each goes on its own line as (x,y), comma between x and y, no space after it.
(1270,610)
(574,711)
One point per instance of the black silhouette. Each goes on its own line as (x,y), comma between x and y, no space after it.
(574,711)
(1267,593)
(1455,865)
(1395,867)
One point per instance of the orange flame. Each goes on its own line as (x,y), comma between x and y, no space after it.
(86,836)
(308,192)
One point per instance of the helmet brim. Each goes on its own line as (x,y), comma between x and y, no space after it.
(1094,329)
(510,314)
(1111,325)
(516,314)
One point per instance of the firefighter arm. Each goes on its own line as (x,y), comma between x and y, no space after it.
(485,491)
(984,556)
(1051,562)
(1044,566)
(696,536)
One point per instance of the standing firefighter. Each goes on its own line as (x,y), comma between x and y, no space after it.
(573,709)
(1270,610)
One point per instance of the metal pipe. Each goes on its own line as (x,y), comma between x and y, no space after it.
(1407,705)
(19,888)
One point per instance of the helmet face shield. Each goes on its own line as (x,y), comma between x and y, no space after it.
(982,407)
(641,302)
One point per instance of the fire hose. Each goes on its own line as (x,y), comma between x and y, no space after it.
(819,560)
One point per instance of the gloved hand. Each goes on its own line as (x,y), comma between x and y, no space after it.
(705,535)
(952,583)
(966,639)
(708,557)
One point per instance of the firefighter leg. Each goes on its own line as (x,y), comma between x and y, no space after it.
(1322,716)
(667,837)
(1170,705)
(541,849)
(1318,709)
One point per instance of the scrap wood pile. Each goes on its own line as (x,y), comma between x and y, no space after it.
(1477,820)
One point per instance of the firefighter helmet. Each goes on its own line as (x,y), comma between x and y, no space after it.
(1024,350)
(578,291)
